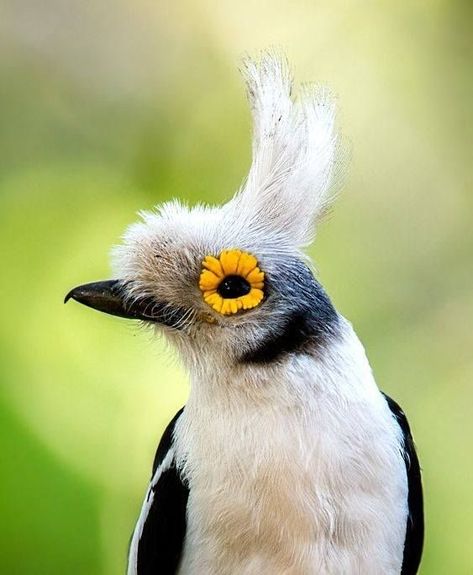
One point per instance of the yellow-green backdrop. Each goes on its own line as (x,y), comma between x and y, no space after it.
(110,107)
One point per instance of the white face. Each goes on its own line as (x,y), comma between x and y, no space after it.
(258,292)
(164,259)
(270,304)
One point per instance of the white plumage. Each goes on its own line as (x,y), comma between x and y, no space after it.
(294,158)
(286,459)
(299,467)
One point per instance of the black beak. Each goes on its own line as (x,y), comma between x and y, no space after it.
(109,297)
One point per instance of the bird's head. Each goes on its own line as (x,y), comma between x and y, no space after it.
(233,280)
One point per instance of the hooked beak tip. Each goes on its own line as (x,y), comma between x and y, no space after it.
(80,292)
(69,296)
(109,297)
(103,295)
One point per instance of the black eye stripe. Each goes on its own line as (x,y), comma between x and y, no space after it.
(233,286)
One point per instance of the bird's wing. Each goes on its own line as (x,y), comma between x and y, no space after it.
(157,541)
(415,521)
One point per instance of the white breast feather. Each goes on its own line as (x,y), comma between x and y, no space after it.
(298,471)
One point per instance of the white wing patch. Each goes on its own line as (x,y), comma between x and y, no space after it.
(147,504)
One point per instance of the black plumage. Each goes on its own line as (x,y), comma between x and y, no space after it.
(162,538)
(415,521)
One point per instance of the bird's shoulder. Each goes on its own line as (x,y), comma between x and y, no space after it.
(166,442)
(159,535)
(415,522)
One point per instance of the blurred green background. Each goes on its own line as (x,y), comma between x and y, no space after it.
(111,107)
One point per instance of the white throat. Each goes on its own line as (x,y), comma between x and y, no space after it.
(299,465)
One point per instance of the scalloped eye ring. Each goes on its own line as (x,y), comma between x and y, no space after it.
(231,282)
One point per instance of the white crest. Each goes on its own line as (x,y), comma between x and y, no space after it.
(294,160)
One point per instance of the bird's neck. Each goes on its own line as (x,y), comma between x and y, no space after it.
(340,369)
(278,454)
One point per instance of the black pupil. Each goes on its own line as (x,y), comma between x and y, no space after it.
(233,286)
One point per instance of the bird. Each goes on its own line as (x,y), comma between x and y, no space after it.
(287,458)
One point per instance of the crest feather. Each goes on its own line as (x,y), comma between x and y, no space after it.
(294,157)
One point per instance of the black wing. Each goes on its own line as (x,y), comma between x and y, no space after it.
(415,521)
(159,536)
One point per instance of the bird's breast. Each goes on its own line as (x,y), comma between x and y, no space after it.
(276,491)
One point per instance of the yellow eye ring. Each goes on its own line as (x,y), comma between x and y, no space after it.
(231,282)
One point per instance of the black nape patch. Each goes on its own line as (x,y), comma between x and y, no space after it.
(310,321)
(292,337)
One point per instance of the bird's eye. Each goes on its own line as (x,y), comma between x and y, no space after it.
(232,287)
(232,281)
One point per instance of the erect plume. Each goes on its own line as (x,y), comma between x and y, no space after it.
(295,159)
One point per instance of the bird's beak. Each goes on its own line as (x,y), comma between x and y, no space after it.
(109,297)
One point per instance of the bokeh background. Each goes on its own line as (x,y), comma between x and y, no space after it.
(111,107)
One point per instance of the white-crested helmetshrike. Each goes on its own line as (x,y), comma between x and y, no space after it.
(286,459)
